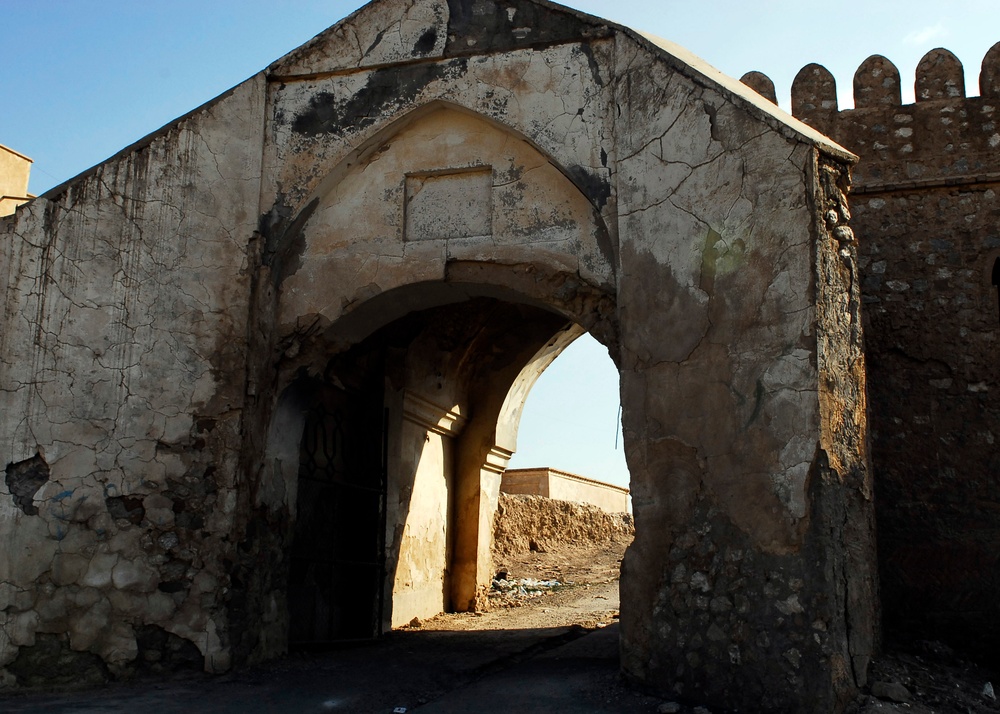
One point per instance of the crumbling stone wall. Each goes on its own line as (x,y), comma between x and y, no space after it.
(927,217)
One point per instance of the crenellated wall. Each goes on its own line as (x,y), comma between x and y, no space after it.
(927,217)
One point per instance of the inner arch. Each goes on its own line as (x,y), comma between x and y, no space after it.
(571,418)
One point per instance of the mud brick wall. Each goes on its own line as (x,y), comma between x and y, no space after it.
(523,523)
(927,216)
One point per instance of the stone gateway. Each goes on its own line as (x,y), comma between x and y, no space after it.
(261,371)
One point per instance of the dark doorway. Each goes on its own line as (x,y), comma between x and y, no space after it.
(337,559)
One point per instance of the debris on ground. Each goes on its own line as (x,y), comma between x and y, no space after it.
(512,592)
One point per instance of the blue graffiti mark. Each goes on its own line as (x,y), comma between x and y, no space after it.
(62,496)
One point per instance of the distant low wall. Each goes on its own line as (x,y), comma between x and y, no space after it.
(564,486)
(14,171)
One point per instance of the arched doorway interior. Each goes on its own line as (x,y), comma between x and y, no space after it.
(402,441)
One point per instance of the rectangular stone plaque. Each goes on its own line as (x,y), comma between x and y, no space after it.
(449,205)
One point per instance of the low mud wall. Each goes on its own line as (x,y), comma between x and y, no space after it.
(534,523)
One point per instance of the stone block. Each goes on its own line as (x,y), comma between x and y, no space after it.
(99,571)
(68,568)
(134,575)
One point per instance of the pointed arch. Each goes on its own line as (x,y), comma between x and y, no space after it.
(431,196)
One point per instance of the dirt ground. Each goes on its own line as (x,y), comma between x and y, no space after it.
(586,595)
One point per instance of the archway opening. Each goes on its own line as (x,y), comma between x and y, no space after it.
(400,443)
(564,517)
(505,284)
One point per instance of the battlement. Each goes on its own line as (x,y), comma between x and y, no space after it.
(943,138)
(939,76)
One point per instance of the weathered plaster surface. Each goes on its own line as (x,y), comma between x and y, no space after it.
(420,584)
(383,34)
(723,424)
(420,209)
(322,125)
(123,323)
(344,261)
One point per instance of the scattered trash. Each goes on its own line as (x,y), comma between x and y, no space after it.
(510,591)
(399,710)
(988,691)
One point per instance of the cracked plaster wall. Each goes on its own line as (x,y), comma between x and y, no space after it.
(721,402)
(122,346)
(714,214)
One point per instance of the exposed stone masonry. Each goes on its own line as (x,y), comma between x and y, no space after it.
(23,481)
(927,218)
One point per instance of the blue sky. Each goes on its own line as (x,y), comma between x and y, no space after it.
(82,79)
